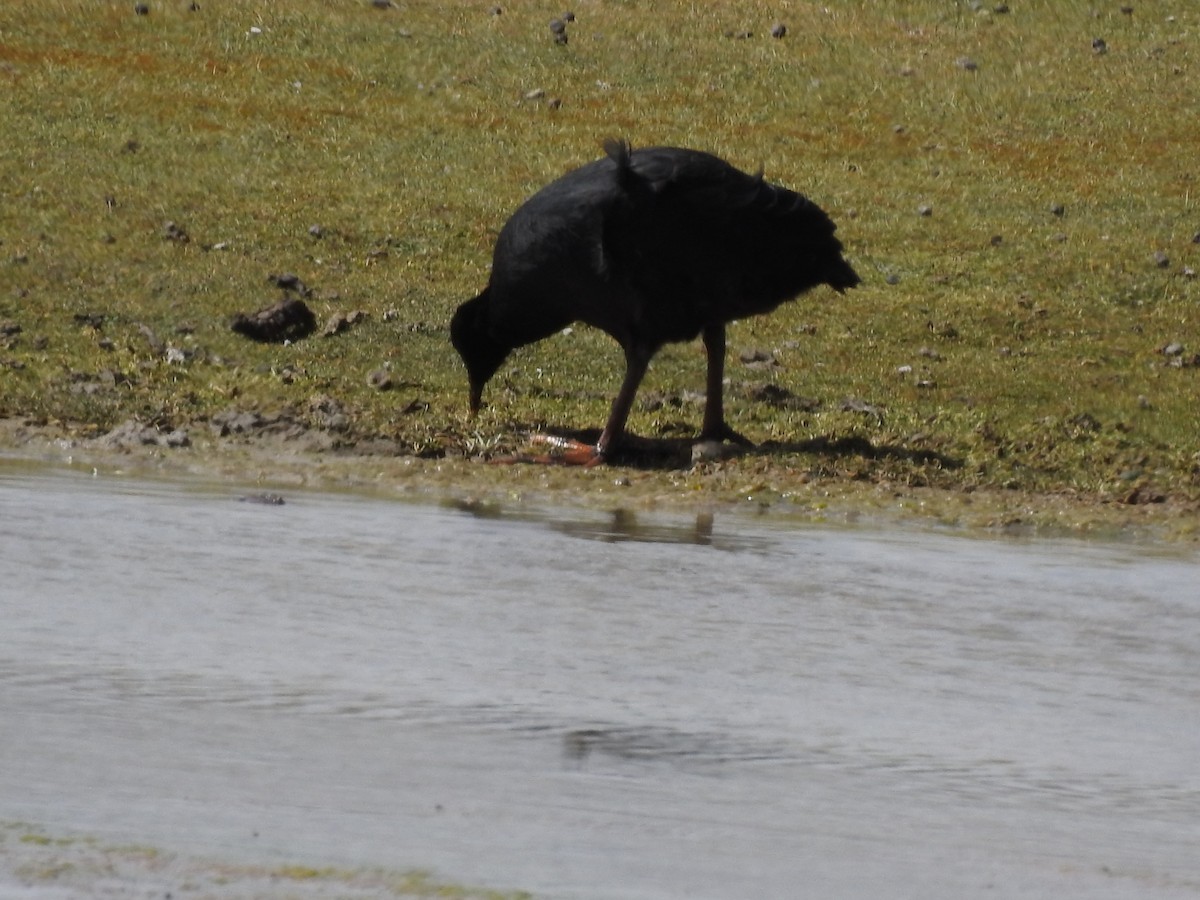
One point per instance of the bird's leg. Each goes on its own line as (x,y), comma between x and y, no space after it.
(574,453)
(636,362)
(714,427)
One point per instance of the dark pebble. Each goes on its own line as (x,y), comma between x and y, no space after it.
(778,30)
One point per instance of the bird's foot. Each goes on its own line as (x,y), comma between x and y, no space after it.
(558,451)
(567,452)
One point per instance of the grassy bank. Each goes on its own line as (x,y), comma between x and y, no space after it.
(1019,198)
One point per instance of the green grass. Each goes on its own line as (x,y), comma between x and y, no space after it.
(1033,338)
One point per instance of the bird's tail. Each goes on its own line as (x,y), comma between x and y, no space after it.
(620,152)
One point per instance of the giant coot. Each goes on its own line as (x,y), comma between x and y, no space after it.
(650,245)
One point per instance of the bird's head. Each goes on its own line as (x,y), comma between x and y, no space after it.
(480,352)
(841,276)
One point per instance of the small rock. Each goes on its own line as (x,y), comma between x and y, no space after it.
(175,232)
(893,279)
(288,320)
(1058,210)
(262,499)
(1127,10)
(1099,45)
(381,380)
(1143,495)
(316,231)
(340,322)
(495,11)
(9,327)
(925,210)
(714,451)
(142,9)
(176,439)
(751,357)
(965,62)
(1172,349)
(1162,260)
(778,30)
(535,94)
(289,281)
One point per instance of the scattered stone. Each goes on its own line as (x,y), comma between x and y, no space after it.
(1143,402)
(892,279)
(495,11)
(1162,260)
(8,327)
(90,320)
(778,30)
(262,499)
(340,322)
(132,434)
(966,63)
(996,240)
(156,345)
(316,231)
(1058,210)
(328,413)
(289,281)
(714,451)
(1172,349)
(142,9)
(854,404)
(535,94)
(381,380)
(1001,9)
(1196,238)
(175,232)
(925,210)
(568,16)
(781,398)
(1144,495)
(383,4)
(1127,10)
(755,357)
(288,320)
(1099,45)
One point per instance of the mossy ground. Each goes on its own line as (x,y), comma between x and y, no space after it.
(1009,340)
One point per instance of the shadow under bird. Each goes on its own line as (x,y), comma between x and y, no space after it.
(652,245)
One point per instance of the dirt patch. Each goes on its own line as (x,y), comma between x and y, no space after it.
(281,450)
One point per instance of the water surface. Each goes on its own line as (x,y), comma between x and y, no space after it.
(597,705)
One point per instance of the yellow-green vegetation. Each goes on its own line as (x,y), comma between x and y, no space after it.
(1015,182)
(79,863)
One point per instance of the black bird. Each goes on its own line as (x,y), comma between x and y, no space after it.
(651,246)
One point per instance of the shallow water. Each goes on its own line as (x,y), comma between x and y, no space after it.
(592,705)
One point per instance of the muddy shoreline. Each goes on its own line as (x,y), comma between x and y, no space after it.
(282,453)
